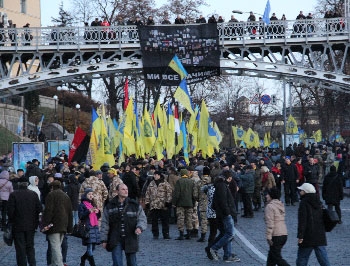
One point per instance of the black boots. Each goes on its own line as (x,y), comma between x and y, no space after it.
(194,233)
(188,235)
(91,260)
(181,236)
(202,238)
(83,259)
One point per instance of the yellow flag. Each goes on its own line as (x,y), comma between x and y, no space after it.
(128,136)
(292,126)
(147,132)
(238,133)
(203,130)
(317,135)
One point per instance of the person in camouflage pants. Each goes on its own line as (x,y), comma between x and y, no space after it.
(183,198)
(158,199)
(203,202)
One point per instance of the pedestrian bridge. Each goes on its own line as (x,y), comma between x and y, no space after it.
(313,52)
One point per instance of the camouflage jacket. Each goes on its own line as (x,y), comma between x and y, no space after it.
(112,187)
(202,196)
(158,196)
(99,188)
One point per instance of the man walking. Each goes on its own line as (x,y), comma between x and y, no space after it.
(58,212)
(311,231)
(23,212)
(122,222)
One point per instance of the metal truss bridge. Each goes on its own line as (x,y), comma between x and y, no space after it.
(313,52)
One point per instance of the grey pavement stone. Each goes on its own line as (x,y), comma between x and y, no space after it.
(189,252)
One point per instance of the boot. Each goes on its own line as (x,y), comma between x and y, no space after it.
(181,236)
(91,260)
(188,235)
(194,233)
(83,259)
(202,238)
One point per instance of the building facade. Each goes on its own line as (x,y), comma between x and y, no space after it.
(20,12)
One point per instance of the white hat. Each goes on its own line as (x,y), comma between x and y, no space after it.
(308,188)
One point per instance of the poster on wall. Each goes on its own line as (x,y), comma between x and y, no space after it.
(56,146)
(27,151)
(291,139)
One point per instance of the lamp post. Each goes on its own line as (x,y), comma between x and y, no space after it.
(62,89)
(77,107)
(55,97)
(230,120)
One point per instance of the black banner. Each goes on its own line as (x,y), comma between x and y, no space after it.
(196,46)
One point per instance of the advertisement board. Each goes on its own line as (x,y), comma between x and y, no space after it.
(27,151)
(55,146)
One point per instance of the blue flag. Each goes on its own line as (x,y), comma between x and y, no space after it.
(266,16)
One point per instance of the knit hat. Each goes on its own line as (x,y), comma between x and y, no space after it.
(98,172)
(287,158)
(308,188)
(112,171)
(86,191)
(183,172)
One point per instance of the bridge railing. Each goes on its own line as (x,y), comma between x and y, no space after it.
(20,38)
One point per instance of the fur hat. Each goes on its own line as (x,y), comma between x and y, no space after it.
(308,188)
(264,169)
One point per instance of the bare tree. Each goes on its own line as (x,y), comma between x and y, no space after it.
(188,9)
(83,10)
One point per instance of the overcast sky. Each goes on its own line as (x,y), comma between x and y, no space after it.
(49,8)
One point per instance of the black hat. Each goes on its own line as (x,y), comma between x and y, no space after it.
(206,170)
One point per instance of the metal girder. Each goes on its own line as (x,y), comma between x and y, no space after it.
(285,49)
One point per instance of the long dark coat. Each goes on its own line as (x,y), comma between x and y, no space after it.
(332,190)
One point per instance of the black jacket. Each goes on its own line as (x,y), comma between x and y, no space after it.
(310,222)
(289,173)
(332,190)
(23,210)
(223,202)
(311,173)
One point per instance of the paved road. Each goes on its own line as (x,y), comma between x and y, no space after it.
(249,245)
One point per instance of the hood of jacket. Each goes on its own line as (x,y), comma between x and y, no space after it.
(278,205)
(4,175)
(32,180)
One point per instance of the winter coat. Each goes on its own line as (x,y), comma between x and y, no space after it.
(332,190)
(172,179)
(113,186)
(159,196)
(23,210)
(33,187)
(202,196)
(184,193)
(289,173)
(34,170)
(129,179)
(275,219)
(210,190)
(223,202)
(311,173)
(269,182)
(94,232)
(72,190)
(99,188)
(58,211)
(134,217)
(310,222)
(5,185)
(247,181)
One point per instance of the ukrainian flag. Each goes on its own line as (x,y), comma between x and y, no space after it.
(176,65)
(182,95)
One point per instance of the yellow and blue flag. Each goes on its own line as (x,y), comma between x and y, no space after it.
(182,95)
(177,66)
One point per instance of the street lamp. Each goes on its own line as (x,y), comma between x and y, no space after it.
(77,107)
(230,120)
(62,89)
(55,97)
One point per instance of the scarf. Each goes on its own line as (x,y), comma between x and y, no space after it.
(265,177)
(92,216)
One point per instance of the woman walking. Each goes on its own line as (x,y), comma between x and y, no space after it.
(276,229)
(89,215)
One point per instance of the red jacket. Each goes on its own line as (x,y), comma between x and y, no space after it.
(300,170)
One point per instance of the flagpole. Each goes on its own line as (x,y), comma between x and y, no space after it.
(284,115)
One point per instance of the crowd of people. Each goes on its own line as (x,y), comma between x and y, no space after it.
(202,197)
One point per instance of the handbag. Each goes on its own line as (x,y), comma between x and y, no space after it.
(80,230)
(330,219)
(8,235)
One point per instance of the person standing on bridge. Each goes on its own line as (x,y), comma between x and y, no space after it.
(276,229)
(311,230)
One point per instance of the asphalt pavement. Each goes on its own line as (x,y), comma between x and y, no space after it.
(249,245)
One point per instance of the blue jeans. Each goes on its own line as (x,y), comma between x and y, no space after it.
(117,257)
(75,217)
(225,241)
(304,254)
(90,249)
